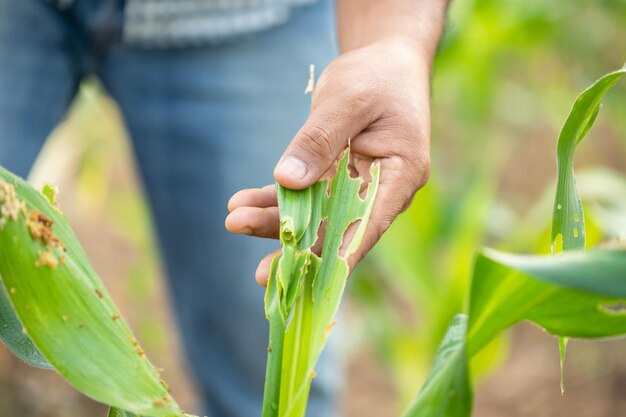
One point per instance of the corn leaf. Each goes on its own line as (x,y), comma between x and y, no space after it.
(66,317)
(568,223)
(507,289)
(13,336)
(304,290)
(446,391)
(116,412)
(568,227)
(576,294)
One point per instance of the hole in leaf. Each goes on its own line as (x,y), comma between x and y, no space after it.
(557,244)
(347,237)
(617,308)
(353,171)
(319,241)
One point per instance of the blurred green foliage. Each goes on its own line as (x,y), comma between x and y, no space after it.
(505,75)
(504,79)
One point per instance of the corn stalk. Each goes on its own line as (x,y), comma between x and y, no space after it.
(304,290)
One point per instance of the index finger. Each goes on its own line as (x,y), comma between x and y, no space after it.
(254,197)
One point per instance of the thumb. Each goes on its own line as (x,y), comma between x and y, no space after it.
(318,144)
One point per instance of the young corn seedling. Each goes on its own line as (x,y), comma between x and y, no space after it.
(304,290)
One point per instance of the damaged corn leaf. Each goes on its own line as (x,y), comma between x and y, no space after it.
(304,290)
(62,309)
(576,294)
(568,223)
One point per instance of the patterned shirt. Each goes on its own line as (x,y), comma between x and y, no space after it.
(176,23)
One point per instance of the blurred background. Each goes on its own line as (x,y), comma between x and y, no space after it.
(506,76)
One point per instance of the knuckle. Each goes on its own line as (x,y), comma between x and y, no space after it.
(415,168)
(257,230)
(362,105)
(407,203)
(380,225)
(423,171)
(416,160)
(317,141)
(407,177)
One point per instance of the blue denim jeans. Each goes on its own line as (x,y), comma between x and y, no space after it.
(205,122)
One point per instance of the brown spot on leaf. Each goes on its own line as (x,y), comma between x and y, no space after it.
(40,228)
(329,328)
(11,205)
(47,259)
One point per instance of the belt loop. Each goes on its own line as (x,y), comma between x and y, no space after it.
(107,29)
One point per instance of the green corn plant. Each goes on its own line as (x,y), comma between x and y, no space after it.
(304,290)
(56,314)
(425,257)
(570,296)
(575,294)
(54,308)
(486,114)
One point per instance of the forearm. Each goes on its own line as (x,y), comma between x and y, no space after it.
(363,22)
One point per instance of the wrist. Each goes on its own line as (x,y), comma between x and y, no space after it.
(415,49)
(402,52)
(417,24)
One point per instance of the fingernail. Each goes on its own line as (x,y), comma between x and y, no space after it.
(293,167)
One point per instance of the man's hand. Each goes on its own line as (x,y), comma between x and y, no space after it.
(378,96)
(375,95)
